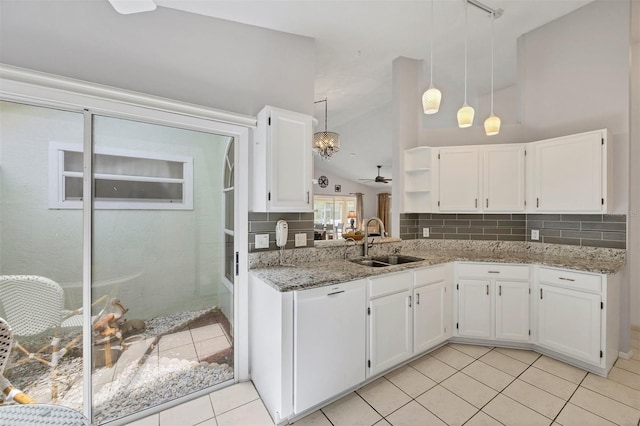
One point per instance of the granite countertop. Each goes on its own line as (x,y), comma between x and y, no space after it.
(310,274)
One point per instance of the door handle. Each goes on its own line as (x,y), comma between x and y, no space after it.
(540,294)
(499,290)
(487,203)
(335,292)
(417,298)
(409,301)
(307,197)
(487,288)
(476,203)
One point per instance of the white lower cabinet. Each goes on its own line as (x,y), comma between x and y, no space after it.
(309,346)
(409,313)
(493,301)
(431,316)
(512,311)
(578,315)
(390,321)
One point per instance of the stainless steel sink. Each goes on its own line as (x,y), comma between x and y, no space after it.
(382,261)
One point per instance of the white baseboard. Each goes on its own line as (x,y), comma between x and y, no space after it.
(626,355)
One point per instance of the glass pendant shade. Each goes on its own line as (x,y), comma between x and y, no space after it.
(492,125)
(465,116)
(431,100)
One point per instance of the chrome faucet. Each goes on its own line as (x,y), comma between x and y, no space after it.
(365,246)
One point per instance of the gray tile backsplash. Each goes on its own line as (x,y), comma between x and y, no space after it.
(491,227)
(265,223)
(590,230)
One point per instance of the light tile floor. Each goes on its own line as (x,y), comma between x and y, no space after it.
(454,385)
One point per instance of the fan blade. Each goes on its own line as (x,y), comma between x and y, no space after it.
(126,7)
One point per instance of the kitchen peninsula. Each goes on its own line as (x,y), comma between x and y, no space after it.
(323,326)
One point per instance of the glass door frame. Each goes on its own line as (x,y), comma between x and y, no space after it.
(38,89)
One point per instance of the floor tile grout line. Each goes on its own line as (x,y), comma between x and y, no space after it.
(569,400)
(528,350)
(438,417)
(507,396)
(486,414)
(609,397)
(234,408)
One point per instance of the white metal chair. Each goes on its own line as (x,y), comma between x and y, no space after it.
(34,306)
(9,392)
(41,415)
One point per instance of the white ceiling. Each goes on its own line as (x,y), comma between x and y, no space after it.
(357,40)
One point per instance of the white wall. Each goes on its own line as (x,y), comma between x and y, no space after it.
(168,53)
(634,177)
(155,261)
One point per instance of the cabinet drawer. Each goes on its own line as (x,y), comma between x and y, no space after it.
(430,275)
(389,284)
(492,270)
(571,279)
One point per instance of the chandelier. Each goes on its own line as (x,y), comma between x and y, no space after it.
(326,143)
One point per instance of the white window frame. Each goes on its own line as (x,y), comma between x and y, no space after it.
(57,176)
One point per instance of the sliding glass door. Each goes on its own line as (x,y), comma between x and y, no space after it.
(162,256)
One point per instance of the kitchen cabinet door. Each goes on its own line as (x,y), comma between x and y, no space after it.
(459,179)
(569,322)
(390,330)
(474,308)
(503,178)
(282,165)
(568,174)
(329,343)
(512,310)
(431,316)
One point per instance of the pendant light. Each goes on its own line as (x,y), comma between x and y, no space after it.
(432,97)
(326,143)
(465,114)
(492,124)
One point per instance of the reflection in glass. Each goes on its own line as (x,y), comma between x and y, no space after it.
(165,333)
(40,258)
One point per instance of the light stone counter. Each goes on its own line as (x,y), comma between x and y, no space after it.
(321,266)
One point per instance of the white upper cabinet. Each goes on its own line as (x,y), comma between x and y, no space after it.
(503,183)
(282,162)
(459,178)
(488,178)
(569,174)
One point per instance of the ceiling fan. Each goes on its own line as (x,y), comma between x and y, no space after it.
(126,7)
(377,179)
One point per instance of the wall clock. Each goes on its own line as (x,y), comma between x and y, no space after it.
(323,181)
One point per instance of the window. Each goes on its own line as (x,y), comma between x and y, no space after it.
(330,215)
(123,179)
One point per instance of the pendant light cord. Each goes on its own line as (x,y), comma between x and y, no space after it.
(325,112)
(466,41)
(431,49)
(325,115)
(493,16)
